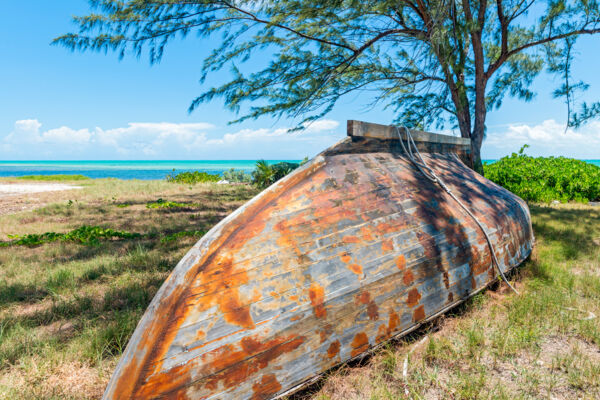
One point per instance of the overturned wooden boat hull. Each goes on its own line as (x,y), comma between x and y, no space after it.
(350,250)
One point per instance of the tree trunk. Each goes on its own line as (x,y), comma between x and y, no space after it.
(476,141)
(476,138)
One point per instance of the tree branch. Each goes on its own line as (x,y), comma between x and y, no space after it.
(503,57)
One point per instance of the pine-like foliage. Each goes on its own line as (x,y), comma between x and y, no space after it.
(434,62)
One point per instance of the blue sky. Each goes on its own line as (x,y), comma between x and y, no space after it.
(62,105)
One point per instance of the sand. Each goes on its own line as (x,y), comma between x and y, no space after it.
(17,197)
(10,189)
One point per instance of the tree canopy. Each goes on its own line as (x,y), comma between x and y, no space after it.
(434,63)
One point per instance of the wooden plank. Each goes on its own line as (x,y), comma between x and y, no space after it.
(378,131)
(337,257)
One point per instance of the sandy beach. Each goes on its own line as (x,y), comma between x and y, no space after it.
(9,189)
(15,197)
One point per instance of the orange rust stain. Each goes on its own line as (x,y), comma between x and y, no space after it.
(450,297)
(357,269)
(359,344)
(480,263)
(401,262)
(366,232)
(363,298)
(473,283)
(235,313)
(293,298)
(345,257)
(334,349)
(200,335)
(267,387)
(287,238)
(316,293)
(419,314)
(295,318)
(382,334)
(327,218)
(394,321)
(350,239)
(384,227)
(446,280)
(236,366)
(372,309)
(408,277)
(323,335)
(176,378)
(224,293)
(387,245)
(413,297)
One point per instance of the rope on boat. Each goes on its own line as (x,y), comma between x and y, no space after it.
(430,174)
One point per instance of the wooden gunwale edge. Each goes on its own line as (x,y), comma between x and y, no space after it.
(390,132)
(405,332)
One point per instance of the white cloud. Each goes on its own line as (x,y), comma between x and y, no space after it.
(66,135)
(165,140)
(322,125)
(545,139)
(28,125)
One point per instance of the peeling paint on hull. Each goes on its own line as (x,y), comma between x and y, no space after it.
(351,249)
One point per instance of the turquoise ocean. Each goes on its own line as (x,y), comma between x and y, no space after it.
(123,169)
(132,169)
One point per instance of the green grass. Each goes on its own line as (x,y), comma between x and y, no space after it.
(74,289)
(53,178)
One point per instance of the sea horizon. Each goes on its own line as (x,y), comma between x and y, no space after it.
(135,169)
(123,169)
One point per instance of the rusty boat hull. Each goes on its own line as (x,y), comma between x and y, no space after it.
(348,251)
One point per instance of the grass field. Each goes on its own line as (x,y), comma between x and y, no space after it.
(67,308)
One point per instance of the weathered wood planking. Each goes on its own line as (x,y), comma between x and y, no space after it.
(353,248)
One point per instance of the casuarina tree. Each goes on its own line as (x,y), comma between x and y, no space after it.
(435,63)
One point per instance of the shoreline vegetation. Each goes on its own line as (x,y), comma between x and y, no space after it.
(78,268)
(537,179)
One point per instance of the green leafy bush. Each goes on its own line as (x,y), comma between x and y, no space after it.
(237,176)
(191,178)
(88,235)
(265,175)
(545,179)
(160,203)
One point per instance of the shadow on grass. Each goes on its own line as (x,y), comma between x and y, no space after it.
(570,236)
(20,293)
(105,325)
